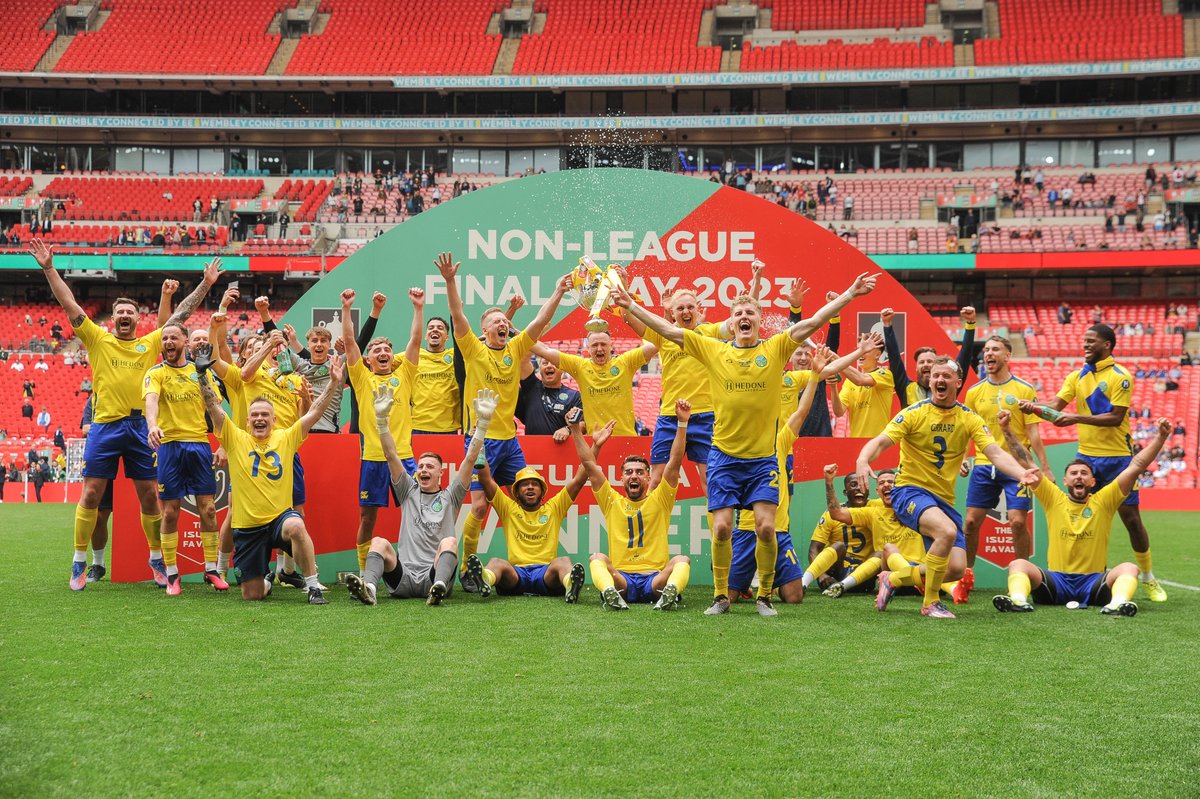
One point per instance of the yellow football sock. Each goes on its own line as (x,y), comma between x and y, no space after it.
(170,546)
(765,555)
(489,576)
(823,562)
(600,575)
(152,527)
(363,549)
(722,559)
(901,570)
(869,568)
(949,587)
(470,537)
(1019,587)
(1124,587)
(1143,562)
(935,570)
(208,540)
(85,523)
(679,576)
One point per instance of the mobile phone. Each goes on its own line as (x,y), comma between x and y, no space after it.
(233,284)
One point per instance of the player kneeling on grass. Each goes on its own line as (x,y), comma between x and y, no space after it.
(427,556)
(531,530)
(638,564)
(1078,524)
(261,470)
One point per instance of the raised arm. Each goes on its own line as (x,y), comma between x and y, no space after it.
(857,376)
(587,456)
(448,267)
(413,350)
(255,362)
(796,420)
(966,353)
(212,271)
(1039,450)
(581,475)
(862,285)
(337,374)
(546,353)
(837,366)
(1128,478)
(218,324)
(383,400)
(169,287)
(367,331)
(44,255)
(895,358)
(485,408)
(203,361)
(1018,450)
(1027,475)
(546,312)
(353,350)
(833,508)
(656,323)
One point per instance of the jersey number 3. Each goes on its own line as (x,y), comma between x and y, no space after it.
(939,457)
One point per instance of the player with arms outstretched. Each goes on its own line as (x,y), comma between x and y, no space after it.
(745,380)
(119,434)
(933,436)
(1078,524)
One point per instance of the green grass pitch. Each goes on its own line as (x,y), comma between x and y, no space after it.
(120,691)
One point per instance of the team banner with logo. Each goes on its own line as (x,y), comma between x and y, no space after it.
(520,237)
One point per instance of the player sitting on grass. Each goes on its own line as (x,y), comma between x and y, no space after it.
(638,563)
(1078,524)
(261,470)
(532,527)
(933,436)
(424,562)
(837,548)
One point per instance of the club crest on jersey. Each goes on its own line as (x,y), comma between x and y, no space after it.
(562,395)
(195,378)
(437,505)
(393,382)
(1009,399)
(1087,513)
(760,361)
(140,348)
(614,371)
(508,360)
(1102,386)
(787,381)
(447,358)
(543,519)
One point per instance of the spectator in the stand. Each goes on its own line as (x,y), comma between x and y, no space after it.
(41,366)
(197,209)
(235,228)
(17,365)
(284,221)
(1108,220)
(848,207)
(914,239)
(85,386)
(27,388)
(56,331)
(1067,196)
(1039,181)
(1052,200)
(1179,430)
(1064,313)
(1177,176)
(43,419)
(60,440)
(39,475)
(1151,176)
(27,409)
(358,206)
(1097,314)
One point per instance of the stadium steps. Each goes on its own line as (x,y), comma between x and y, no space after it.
(933,14)
(507,55)
(1191,36)
(708,26)
(1170,6)
(493,29)
(53,53)
(283,54)
(731,61)
(964,55)
(991,20)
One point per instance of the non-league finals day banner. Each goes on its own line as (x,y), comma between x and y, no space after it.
(520,237)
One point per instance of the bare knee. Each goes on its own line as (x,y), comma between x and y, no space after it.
(678,559)
(380,545)
(600,556)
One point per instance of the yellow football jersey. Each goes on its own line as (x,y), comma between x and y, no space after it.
(885,528)
(498,370)
(1078,532)
(987,399)
(235,389)
(683,377)
(794,383)
(637,531)
(180,404)
(869,407)
(282,390)
(1098,391)
(783,447)
(436,405)
(933,442)
(260,472)
(532,535)
(745,387)
(399,422)
(117,369)
(607,390)
(857,538)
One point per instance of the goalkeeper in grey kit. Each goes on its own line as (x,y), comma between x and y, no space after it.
(425,560)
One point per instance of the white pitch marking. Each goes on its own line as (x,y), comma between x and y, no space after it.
(1179,585)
